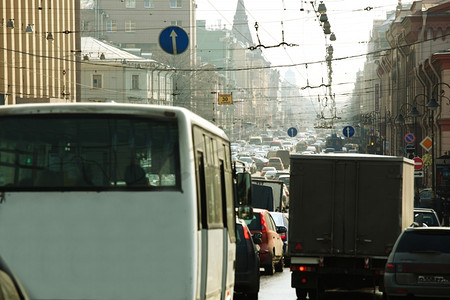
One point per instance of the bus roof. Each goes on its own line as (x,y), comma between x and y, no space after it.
(110,108)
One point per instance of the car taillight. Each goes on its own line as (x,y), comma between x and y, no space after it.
(283,236)
(246,233)
(390,268)
(263,224)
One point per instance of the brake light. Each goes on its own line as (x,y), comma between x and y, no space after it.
(301,268)
(263,224)
(246,233)
(283,236)
(390,268)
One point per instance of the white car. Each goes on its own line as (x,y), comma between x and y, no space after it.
(270,175)
(267,169)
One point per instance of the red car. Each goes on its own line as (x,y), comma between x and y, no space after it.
(271,254)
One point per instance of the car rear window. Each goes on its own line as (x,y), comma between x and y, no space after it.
(255,223)
(425,241)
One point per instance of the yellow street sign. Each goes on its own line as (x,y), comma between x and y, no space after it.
(427,143)
(225,99)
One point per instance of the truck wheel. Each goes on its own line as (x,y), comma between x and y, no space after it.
(313,294)
(280,265)
(301,294)
(252,296)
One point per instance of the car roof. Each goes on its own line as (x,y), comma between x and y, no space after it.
(423,209)
(428,229)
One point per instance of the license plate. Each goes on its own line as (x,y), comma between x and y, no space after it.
(432,279)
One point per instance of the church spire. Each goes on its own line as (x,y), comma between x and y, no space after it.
(240,24)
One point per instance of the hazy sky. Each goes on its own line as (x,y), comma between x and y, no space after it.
(351,21)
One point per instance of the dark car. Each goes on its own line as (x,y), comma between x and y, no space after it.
(281,219)
(260,162)
(419,264)
(271,252)
(426,216)
(247,274)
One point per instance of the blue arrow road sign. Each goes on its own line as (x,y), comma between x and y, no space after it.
(174,40)
(348,131)
(292,131)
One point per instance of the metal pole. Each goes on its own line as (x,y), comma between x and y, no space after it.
(433,175)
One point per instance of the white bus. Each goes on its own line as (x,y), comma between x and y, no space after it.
(116,201)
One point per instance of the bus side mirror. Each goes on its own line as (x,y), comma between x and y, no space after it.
(245,212)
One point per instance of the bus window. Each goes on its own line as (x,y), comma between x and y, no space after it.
(82,152)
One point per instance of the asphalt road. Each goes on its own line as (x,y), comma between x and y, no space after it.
(278,286)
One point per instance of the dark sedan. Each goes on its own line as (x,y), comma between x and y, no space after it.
(247,272)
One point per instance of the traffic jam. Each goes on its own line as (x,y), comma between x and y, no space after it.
(321,205)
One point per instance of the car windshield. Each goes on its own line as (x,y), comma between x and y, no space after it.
(246,159)
(427,218)
(278,218)
(425,241)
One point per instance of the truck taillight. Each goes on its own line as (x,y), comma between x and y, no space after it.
(301,268)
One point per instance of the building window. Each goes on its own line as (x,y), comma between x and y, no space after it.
(176,23)
(134,82)
(97,82)
(130,26)
(130,3)
(175,3)
(149,3)
(111,26)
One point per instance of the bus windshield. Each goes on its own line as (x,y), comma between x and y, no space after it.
(83,151)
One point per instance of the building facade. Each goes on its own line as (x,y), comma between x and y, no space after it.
(111,74)
(40,51)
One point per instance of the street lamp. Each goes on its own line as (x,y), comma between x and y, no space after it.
(433,106)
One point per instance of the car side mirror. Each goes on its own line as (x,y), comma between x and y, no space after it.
(257,240)
(281,229)
(257,235)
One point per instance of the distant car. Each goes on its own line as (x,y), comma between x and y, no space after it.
(281,219)
(312,149)
(286,180)
(419,264)
(247,274)
(276,162)
(276,145)
(265,169)
(270,175)
(425,198)
(426,216)
(249,162)
(281,173)
(260,162)
(271,253)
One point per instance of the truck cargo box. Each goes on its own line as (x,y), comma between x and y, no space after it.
(349,204)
